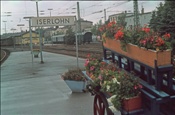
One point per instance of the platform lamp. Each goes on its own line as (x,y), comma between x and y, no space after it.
(21,25)
(50,9)
(39,32)
(5,26)
(31,44)
(14,40)
(7,14)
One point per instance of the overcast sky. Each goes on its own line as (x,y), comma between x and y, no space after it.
(20,9)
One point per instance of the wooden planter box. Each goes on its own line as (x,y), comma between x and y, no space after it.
(131,104)
(140,54)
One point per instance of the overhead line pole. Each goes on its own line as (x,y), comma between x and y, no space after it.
(104,16)
(79,22)
(40,41)
(136,15)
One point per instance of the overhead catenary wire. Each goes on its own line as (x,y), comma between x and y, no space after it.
(100,11)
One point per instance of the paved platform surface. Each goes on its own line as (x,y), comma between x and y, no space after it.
(37,89)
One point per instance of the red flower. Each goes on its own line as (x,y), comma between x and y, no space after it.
(159,42)
(92,68)
(88,55)
(86,63)
(167,36)
(147,30)
(119,35)
(143,42)
(110,24)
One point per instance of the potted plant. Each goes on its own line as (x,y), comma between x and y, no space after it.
(141,44)
(92,65)
(75,80)
(125,90)
(114,82)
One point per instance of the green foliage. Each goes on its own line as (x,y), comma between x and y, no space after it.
(74,74)
(94,29)
(153,21)
(122,86)
(92,64)
(121,20)
(69,38)
(163,20)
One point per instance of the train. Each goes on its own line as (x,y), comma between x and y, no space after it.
(85,37)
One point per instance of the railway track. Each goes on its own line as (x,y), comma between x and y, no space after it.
(4,55)
(72,51)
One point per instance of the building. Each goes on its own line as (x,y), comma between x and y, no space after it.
(115,17)
(144,18)
(20,38)
(35,38)
(10,39)
(85,26)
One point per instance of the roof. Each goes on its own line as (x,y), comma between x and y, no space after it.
(139,14)
(120,14)
(10,35)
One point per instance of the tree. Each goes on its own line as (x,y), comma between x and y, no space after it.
(163,20)
(121,20)
(69,38)
(153,24)
(94,29)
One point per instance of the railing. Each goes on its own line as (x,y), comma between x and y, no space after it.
(158,88)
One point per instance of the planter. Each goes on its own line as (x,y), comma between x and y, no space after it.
(76,86)
(131,104)
(140,54)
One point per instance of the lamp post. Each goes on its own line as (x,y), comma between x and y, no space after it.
(7,14)
(39,34)
(14,40)
(31,44)
(20,25)
(5,26)
(39,31)
(50,9)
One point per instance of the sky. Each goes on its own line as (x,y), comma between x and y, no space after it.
(13,12)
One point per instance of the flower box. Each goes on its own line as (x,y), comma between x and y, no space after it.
(76,86)
(140,54)
(133,103)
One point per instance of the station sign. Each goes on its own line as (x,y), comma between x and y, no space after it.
(52,21)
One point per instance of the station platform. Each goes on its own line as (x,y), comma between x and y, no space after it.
(37,89)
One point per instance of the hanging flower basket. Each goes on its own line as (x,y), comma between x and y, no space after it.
(140,54)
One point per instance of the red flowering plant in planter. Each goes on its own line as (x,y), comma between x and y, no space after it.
(92,66)
(145,37)
(109,30)
(122,35)
(114,31)
(107,72)
(142,37)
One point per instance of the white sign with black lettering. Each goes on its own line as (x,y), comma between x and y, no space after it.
(53,21)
